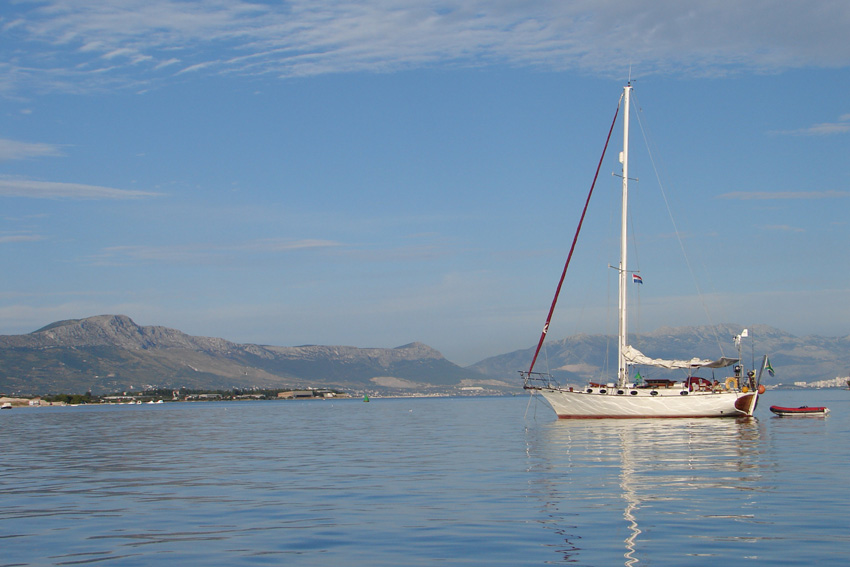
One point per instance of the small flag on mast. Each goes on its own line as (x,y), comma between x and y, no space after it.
(769,367)
(637,279)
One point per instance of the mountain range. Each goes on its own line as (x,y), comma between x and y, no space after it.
(580,358)
(110,353)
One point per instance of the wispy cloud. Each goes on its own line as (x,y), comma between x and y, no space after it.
(398,254)
(204,253)
(768,195)
(15,150)
(10,187)
(90,43)
(784,228)
(208,253)
(283,245)
(166,63)
(120,255)
(8,238)
(842,126)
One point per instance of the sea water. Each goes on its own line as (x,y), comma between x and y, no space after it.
(421,481)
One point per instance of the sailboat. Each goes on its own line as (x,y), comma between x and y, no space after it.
(633,398)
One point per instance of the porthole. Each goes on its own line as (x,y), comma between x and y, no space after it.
(653,393)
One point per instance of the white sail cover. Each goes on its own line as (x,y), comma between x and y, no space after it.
(634,356)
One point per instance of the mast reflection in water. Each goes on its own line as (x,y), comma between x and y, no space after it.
(692,479)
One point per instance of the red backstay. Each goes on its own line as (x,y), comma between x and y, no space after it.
(572,248)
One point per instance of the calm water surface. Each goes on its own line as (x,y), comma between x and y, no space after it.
(457,481)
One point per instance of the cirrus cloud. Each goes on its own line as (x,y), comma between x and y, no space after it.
(771,195)
(842,126)
(90,44)
(55,190)
(15,150)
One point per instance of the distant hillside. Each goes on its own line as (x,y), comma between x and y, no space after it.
(583,357)
(109,353)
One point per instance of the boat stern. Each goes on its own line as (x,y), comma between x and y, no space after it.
(746,403)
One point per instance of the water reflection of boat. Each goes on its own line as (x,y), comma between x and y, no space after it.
(606,487)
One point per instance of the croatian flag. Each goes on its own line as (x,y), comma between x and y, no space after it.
(637,279)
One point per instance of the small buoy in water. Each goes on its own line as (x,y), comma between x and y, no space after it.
(365,398)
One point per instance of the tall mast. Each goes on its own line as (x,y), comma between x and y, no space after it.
(622,373)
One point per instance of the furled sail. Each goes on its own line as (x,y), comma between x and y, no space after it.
(634,356)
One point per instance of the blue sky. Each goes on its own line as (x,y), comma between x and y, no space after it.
(377,173)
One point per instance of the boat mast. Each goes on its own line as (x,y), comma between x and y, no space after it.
(622,373)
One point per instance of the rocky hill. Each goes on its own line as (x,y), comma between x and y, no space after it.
(580,358)
(109,353)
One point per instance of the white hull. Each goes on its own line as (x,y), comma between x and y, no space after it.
(664,403)
(698,397)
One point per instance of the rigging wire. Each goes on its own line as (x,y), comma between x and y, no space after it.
(573,246)
(636,325)
(676,229)
(533,393)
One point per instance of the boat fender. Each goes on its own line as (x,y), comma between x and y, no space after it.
(731,383)
(745,389)
(653,393)
(761,389)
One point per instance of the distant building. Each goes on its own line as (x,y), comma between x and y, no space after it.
(295,394)
(838,382)
(204,397)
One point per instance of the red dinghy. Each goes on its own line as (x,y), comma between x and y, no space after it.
(802,410)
